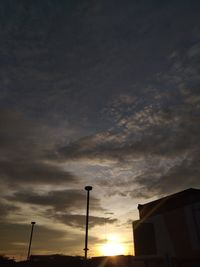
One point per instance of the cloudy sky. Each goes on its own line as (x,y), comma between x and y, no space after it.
(101,93)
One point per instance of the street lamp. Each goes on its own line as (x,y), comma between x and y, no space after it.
(88,189)
(29,248)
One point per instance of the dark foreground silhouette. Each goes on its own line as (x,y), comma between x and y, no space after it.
(117,261)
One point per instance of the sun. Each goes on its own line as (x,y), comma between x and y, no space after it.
(112,247)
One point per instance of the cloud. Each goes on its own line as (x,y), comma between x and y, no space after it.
(101,145)
(66,200)
(34,173)
(163,134)
(64,206)
(159,121)
(24,149)
(15,237)
(19,137)
(182,174)
(76,220)
(194,51)
(166,130)
(6,209)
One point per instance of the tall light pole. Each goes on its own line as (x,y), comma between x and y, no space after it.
(88,189)
(29,247)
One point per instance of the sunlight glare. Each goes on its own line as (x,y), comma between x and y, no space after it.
(113,247)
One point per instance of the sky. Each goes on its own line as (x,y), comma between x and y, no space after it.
(101,93)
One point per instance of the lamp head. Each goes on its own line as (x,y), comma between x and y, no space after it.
(88,188)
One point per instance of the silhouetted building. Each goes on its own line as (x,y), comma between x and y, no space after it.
(169,226)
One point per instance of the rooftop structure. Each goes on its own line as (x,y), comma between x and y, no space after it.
(169,226)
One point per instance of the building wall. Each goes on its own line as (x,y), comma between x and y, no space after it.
(144,236)
(162,236)
(193,221)
(176,233)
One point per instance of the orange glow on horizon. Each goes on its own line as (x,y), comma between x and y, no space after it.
(112,247)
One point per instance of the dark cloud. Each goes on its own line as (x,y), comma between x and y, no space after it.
(7,209)
(24,138)
(161,182)
(17,136)
(76,220)
(16,237)
(23,150)
(158,123)
(65,200)
(61,206)
(34,173)
(155,132)
(54,52)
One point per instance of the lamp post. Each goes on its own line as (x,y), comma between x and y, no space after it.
(29,248)
(88,189)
